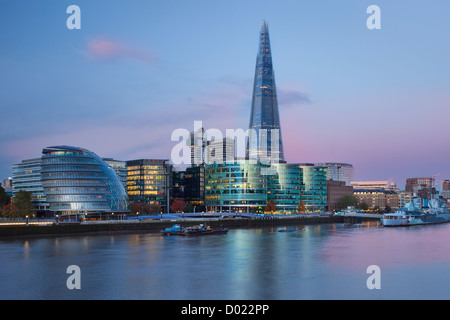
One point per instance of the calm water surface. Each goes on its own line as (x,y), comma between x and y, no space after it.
(314,262)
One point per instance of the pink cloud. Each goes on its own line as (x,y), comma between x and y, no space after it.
(105,49)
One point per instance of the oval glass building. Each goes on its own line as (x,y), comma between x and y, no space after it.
(77,181)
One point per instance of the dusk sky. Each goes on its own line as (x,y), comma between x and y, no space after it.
(138,70)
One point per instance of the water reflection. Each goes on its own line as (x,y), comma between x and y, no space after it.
(313,262)
(389,247)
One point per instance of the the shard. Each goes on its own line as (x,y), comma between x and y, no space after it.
(265,142)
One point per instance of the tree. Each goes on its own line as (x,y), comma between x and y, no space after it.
(23,204)
(178,205)
(154,208)
(136,207)
(301,208)
(145,208)
(5,199)
(347,201)
(188,208)
(363,205)
(9,210)
(270,206)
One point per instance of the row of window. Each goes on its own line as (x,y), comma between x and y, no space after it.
(79,190)
(75,198)
(148,177)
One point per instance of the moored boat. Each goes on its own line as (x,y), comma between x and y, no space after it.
(203,230)
(193,230)
(437,212)
(174,230)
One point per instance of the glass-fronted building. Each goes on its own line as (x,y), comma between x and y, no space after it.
(313,190)
(27,177)
(121,169)
(243,186)
(339,172)
(284,187)
(235,187)
(77,181)
(194,190)
(148,181)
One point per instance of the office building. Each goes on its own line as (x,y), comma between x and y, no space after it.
(235,187)
(335,191)
(283,187)
(374,185)
(197,144)
(339,172)
(27,177)
(422,188)
(313,190)
(148,182)
(178,184)
(245,186)
(8,186)
(265,142)
(446,185)
(221,150)
(120,167)
(194,190)
(380,199)
(404,198)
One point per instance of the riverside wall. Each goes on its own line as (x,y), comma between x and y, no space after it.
(156,226)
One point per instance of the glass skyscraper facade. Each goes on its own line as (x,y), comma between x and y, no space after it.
(148,181)
(76,180)
(248,186)
(265,142)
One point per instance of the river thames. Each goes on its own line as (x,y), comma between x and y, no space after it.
(327,261)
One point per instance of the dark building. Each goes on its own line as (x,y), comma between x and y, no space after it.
(194,190)
(178,184)
(335,191)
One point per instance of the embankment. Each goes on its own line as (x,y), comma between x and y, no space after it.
(156,226)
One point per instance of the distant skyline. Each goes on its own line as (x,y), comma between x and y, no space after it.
(138,70)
